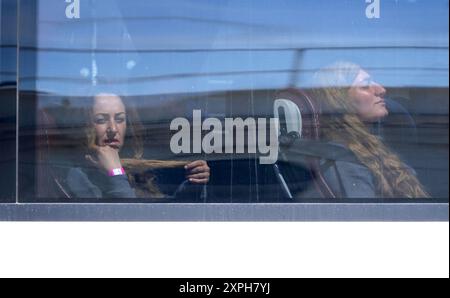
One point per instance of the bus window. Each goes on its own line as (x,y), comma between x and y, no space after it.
(233,102)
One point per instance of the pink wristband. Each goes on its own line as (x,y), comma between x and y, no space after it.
(116,172)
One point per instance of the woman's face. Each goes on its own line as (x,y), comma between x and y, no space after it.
(367,97)
(109,120)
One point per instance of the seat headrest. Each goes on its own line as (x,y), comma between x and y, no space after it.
(302,116)
(289,117)
(301,113)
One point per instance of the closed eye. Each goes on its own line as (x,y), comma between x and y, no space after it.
(100,120)
(366,84)
(120,118)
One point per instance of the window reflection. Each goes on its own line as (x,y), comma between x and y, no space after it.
(232,60)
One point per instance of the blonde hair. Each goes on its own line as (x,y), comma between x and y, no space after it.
(340,123)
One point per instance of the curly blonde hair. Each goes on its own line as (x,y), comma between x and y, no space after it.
(340,123)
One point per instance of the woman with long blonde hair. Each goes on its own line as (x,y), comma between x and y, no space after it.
(350,101)
(105,174)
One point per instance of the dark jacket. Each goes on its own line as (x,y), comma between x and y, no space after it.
(343,173)
(350,180)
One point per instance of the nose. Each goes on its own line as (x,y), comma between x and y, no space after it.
(112,128)
(379,90)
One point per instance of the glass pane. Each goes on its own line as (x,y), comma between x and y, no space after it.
(8,87)
(283,101)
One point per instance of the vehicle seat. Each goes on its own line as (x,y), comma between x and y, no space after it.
(299,119)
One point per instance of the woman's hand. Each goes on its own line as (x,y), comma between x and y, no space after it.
(105,158)
(198,172)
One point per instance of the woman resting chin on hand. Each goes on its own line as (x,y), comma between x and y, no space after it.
(104,175)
